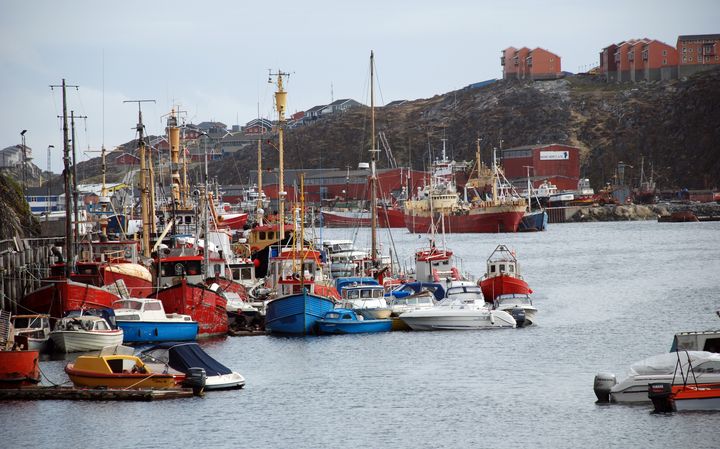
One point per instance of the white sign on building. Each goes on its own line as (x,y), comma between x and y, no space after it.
(554,155)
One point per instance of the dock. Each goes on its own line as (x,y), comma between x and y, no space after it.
(87,394)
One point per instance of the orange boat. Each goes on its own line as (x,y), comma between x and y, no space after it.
(18,366)
(688,397)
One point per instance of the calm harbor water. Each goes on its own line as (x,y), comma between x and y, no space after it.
(608,295)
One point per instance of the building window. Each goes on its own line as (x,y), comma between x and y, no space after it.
(690,59)
(664,61)
(716,58)
(690,49)
(684,50)
(664,52)
(684,59)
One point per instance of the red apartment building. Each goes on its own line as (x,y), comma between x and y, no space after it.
(608,66)
(697,52)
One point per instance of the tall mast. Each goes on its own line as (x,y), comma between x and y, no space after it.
(174,137)
(206,226)
(259,206)
(69,242)
(144,188)
(74,178)
(151,191)
(373,151)
(280,104)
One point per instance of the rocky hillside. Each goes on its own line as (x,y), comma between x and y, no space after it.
(674,125)
(15,219)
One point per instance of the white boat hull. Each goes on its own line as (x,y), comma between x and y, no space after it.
(83,341)
(636,390)
(225,381)
(701,404)
(459,319)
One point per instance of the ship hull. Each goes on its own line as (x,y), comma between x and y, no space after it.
(503,285)
(63,295)
(296,314)
(205,306)
(490,221)
(19,369)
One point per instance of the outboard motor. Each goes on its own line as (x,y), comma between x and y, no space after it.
(195,379)
(661,396)
(519,314)
(602,385)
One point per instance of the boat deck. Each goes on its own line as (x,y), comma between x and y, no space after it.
(87,394)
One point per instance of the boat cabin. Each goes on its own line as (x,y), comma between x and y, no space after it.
(82,323)
(434,264)
(243,272)
(354,292)
(31,326)
(502,261)
(141,309)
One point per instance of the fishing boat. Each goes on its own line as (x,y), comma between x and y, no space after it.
(143,320)
(533,220)
(183,291)
(119,371)
(62,295)
(646,192)
(84,333)
(501,212)
(502,275)
(183,358)
(347,321)
(462,309)
(19,366)
(346,219)
(34,328)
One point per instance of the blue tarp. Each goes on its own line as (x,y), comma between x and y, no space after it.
(412,288)
(343,282)
(183,356)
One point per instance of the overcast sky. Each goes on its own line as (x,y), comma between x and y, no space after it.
(212,57)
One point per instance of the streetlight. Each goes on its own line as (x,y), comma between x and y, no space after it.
(24,160)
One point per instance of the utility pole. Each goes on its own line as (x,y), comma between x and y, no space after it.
(24,162)
(69,243)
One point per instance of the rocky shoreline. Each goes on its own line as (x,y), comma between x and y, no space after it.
(635,212)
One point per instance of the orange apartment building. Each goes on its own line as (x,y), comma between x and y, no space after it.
(697,53)
(653,60)
(535,64)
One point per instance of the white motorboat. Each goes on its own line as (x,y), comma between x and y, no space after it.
(366,300)
(671,367)
(520,306)
(35,327)
(462,309)
(174,358)
(84,333)
(422,300)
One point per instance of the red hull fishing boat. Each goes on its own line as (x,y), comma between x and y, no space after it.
(63,295)
(204,305)
(18,366)
(440,203)
(232,221)
(390,217)
(349,219)
(502,276)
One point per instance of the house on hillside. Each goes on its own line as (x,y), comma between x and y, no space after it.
(12,156)
(338,106)
(127,159)
(314,113)
(258,126)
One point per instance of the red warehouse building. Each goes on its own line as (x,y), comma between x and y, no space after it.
(697,53)
(557,163)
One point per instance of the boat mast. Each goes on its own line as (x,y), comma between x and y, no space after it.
(174,135)
(69,242)
(280,104)
(373,175)
(206,225)
(144,191)
(259,207)
(529,188)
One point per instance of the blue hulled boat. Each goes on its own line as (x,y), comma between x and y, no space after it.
(534,221)
(296,314)
(143,320)
(346,321)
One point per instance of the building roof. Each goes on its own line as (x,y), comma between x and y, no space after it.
(698,37)
(316,108)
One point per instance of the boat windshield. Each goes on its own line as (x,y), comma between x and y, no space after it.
(127,304)
(469,291)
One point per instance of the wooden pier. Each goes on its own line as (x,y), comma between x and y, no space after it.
(23,263)
(83,394)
